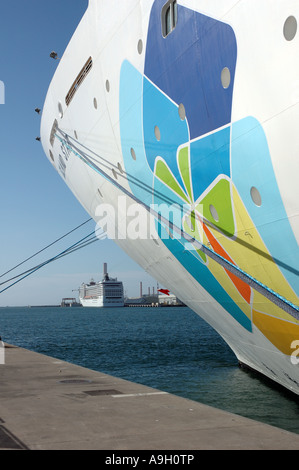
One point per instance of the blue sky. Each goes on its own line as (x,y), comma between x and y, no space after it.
(36,207)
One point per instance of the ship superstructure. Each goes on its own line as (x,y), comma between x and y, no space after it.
(106,293)
(189,110)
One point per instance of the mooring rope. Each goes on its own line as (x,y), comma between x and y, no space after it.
(270,294)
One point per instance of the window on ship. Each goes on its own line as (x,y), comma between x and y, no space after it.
(169,17)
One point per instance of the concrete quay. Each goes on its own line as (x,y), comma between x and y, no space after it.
(48,404)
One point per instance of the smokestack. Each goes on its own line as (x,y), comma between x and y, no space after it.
(153,291)
(140,289)
(149,291)
(105,269)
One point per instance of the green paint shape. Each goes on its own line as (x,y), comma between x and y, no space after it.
(165,175)
(216,207)
(183,161)
(190,226)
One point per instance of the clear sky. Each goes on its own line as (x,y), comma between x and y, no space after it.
(36,207)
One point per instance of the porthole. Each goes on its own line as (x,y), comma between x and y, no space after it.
(140,46)
(255,196)
(214,213)
(157,133)
(182,112)
(76,135)
(114,173)
(60,110)
(190,224)
(99,191)
(225,77)
(133,154)
(290,28)
(107,86)
(120,168)
(53,132)
(95,103)
(51,155)
(155,240)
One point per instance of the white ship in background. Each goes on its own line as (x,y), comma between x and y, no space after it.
(107,293)
(194,103)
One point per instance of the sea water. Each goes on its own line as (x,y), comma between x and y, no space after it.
(167,348)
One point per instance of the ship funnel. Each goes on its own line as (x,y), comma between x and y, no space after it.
(105,269)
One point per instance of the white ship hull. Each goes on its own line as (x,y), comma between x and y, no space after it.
(205,117)
(99,302)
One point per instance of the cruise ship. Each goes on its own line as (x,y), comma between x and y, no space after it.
(107,293)
(175,124)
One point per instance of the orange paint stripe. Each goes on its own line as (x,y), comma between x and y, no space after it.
(243,288)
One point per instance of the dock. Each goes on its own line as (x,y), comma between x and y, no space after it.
(49,404)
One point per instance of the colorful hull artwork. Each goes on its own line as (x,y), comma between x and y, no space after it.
(175,117)
(206,161)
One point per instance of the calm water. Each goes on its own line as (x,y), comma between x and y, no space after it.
(171,349)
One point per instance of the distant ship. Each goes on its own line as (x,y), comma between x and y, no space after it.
(107,293)
(192,106)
